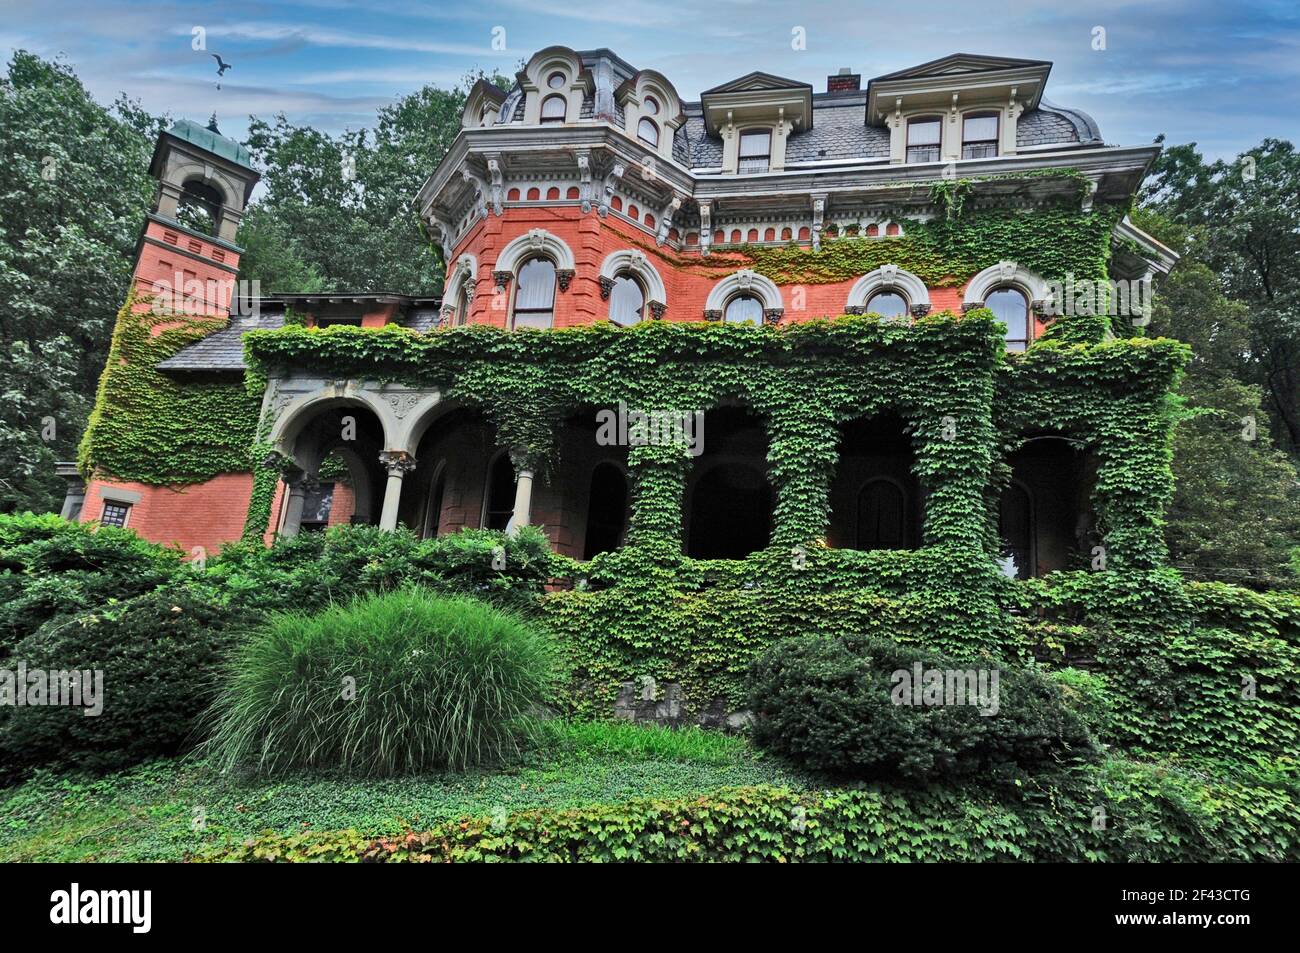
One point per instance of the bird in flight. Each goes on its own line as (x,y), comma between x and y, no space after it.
(222,66)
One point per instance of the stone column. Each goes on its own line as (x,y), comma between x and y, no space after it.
(523,511)
(398,463)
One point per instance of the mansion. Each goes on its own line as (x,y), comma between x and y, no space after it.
(594,193)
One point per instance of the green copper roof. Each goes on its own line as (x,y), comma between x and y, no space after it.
(213,142)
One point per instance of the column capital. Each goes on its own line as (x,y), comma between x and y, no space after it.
(397,462)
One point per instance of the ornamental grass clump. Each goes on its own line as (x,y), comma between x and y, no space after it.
(388,684)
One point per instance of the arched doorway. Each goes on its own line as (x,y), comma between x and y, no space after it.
(882,515)
(875,498)
(729,498)
(606,510)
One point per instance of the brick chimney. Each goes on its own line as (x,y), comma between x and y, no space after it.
(845,81)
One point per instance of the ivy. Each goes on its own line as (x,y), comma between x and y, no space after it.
(155,429)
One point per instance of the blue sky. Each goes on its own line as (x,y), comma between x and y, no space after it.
(1222,74)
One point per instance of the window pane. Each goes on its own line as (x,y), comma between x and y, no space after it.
(535,296)
(923,132)
(1010,307)
(553,108)
(979,128)
(652,105)
(744,308)
(555,80)
(753,144)
(626,301)
(115,514)
(647,131)
(888,304)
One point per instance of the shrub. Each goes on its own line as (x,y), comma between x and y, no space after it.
(832,704)
(313,570)
(389,683)
(49,566)
(158,653)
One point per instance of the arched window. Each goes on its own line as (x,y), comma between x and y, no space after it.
(199,207)
(744,308)
(882,516)
(554,109)
(755,150)
(433,512)
(1010,306)
(887,304)
(651,106)
(979,136)
(499,493)
(1016,529)
(648,132)
(462,304)
(923,139)
(606,510)
(626,301)
(535,294)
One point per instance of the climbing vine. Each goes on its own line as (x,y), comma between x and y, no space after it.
(153,428)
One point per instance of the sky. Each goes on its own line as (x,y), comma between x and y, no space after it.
(1222,74)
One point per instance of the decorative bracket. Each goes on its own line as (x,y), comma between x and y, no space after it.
(563,276)
(666,219)
(706,226)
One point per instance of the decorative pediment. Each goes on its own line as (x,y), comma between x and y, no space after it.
(758,96)
(957,81)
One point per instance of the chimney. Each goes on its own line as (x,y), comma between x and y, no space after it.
(845,81)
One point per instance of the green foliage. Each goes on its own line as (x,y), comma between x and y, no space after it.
(49,566)
(388,684)
(625,739)
(1151,814)
(147,813)
(1203,668)
(840,705)
(74,187)
(312,570)
(158,653)
(152,428)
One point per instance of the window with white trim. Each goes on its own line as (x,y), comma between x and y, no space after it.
(924,137)
(535,294)
(887,303)
(1011,307)
(744,309)
(755,151)
(626,301)
(979,136)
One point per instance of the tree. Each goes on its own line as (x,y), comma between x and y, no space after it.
(74,189)
(1236,509)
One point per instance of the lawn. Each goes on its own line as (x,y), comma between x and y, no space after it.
(167,810)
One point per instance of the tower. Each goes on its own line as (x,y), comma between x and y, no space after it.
(187,259)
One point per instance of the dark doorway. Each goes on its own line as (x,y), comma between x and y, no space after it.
(500,505)
(606,510)
(731,512)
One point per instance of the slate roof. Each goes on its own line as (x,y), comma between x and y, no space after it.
(221,350)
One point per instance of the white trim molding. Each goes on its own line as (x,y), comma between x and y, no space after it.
(465,270)
(1008,274)
(744,282)
(534,242)
(635,263)
(889,278)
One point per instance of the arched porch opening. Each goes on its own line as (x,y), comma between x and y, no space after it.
(335,451)
(1045,517)
(729,496)
(876,500)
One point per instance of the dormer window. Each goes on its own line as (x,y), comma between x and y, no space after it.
(923,139)
(887,304)
(648,132)
(755,151)
(651,106)
(979,136)
(554,108)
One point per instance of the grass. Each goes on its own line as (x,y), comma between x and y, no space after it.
(150,813)
(384,685)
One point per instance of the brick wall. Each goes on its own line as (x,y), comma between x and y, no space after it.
(208,514)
